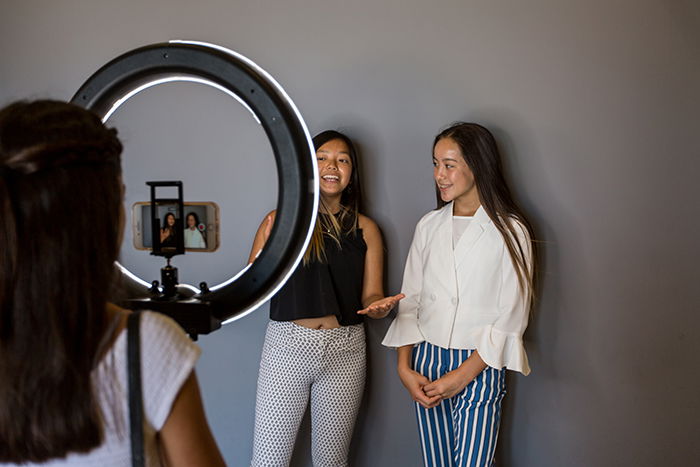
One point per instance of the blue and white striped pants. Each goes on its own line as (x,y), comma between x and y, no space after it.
(461,431)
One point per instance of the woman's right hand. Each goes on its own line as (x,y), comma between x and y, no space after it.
(269,221)
(164,233)
(261,236)
(414,383)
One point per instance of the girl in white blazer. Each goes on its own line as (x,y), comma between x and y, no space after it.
(468,283)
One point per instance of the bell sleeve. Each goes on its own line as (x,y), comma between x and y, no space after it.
(500,344)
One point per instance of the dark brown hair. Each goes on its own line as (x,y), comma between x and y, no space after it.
(479,150)
(60,217)
(350,201)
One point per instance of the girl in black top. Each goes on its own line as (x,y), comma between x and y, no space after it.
(167,233)
(314,346)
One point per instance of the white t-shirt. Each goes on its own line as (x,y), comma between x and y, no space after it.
(167,359)
(459,225)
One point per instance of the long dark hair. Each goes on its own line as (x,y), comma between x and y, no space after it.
(165,221)
(60,213)
(480,152)
(350,201)
(196,219)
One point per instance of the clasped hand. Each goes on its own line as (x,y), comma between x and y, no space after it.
(430,393)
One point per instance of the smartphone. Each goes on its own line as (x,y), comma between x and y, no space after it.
(200,224)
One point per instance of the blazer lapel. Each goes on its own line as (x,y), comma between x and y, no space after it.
(470,236)
(444,239)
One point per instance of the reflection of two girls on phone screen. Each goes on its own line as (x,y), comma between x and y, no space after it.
(193,237)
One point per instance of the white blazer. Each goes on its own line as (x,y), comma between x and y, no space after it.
(463,298)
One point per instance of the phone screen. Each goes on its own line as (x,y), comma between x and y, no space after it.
(200,226)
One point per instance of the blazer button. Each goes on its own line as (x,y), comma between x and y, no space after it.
(432,296)
(454,300)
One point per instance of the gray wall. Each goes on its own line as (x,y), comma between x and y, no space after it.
(594,104)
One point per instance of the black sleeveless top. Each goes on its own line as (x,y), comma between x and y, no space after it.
(331,287)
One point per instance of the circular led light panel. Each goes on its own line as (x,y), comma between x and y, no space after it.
(257,91)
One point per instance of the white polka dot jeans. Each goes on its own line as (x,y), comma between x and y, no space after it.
(326,366)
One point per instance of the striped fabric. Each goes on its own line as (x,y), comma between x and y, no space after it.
(461,431)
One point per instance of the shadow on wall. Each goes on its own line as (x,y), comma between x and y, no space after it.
(520,418)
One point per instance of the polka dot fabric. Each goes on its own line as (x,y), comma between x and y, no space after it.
(325,366)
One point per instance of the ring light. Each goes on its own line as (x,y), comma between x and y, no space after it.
(257,91)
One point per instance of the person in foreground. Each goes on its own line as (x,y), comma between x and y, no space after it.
(63,390)
(315,342)
(468,283)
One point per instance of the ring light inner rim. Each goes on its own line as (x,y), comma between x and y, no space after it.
(172,79)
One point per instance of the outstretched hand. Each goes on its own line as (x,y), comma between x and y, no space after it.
(380,308)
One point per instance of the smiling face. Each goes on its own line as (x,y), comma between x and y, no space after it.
(191,221)
(452,175)
(170,220)
(334,168)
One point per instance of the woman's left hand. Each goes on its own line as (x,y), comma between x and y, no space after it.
(380,308)
(449,385)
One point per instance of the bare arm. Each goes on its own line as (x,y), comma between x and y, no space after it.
(262,235)
(376,305)
(186,439)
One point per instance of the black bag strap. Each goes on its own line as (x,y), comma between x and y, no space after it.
(135,396)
